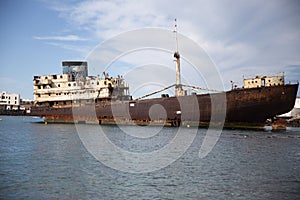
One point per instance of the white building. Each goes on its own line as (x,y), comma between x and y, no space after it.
(9,101)
(25,104)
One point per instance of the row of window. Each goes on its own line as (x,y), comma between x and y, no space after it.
(268,81)
(55,76)
(274,84)
(68,93)
(7,102)
(252,82)
(8,97)
(74,84)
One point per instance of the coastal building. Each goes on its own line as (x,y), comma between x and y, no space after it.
(25,104)
(9,101)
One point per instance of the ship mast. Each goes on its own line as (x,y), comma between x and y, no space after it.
(178,87)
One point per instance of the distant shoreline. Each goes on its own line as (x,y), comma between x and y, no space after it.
(13,112)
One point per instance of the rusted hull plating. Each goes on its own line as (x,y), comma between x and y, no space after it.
(245,108)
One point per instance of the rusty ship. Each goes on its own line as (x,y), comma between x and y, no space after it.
(75,97)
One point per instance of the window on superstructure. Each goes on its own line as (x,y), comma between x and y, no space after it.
(61,76)
(74,84)
(69,84)
(97,83)
(58,85)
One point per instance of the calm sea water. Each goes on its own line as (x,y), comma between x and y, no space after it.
(39,161)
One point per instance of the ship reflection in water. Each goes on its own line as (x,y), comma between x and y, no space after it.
(41,161)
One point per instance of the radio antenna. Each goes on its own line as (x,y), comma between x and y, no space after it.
(175,31)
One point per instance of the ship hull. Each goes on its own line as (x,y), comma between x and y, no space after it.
(239,108)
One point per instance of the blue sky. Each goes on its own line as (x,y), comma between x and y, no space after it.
(241,37)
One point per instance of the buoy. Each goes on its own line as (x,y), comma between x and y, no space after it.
(188,126)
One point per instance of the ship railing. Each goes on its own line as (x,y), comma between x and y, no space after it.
(275,74)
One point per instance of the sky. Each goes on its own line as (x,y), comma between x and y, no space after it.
(240,37)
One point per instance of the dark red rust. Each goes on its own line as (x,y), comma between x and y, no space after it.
(244,107)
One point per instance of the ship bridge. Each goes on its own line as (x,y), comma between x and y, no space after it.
(74,85)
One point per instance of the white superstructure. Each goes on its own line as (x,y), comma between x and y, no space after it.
(75,86)
(264,81)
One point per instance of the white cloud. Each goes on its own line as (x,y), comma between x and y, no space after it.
(79,48)
(73,38)
(240,36)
